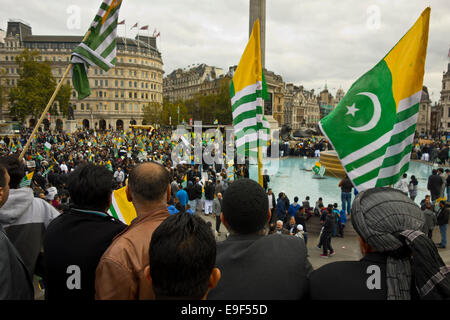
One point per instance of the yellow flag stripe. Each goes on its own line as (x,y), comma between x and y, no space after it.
(247,70)
(406,60)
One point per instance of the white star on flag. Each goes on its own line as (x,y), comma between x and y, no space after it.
(352,110)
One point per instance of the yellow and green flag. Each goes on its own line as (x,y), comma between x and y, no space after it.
(247,90)
(98,49)
(121,208)
(372,128)
(26,181)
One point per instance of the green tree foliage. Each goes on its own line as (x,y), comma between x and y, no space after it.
(170,113)
(34,87)
(209,108)
(63,98)
(152,113)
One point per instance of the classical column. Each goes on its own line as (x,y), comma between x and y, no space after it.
(258,11)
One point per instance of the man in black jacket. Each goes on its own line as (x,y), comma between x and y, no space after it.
(399,261)
(442,222)
(249,258)
(434,185)
(76,240)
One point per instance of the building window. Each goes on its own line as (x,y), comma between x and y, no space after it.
(130,84)
(82,106)
(106,83)
(135,95)
(122,107)
(121,83)
(95,71)
(130,95)
(116,107)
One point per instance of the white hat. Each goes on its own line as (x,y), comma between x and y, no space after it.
(300,227)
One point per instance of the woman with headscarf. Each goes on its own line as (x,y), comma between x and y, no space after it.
(400,262)
(412,188)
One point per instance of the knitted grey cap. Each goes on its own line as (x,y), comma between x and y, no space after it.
(378,215)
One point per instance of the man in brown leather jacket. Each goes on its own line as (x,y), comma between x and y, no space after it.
(120,273)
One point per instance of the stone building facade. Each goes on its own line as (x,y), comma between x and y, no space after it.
(445,101)
(184,84)
(423,126)
(118,96)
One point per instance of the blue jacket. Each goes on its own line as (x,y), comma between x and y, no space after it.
(281,208)
(182,196)
(172,209)
(343,217)
(293,209)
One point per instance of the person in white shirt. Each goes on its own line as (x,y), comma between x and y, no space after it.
(63,167)
(119,176)
(403,184)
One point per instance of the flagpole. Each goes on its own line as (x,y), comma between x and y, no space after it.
(260,167)
(50,103)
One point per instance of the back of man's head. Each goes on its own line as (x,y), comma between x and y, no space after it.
(149,181)
(182,257)
(245,207)
(15,168)
(90,187)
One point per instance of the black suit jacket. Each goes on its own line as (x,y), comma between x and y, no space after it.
(248,264)
(352,280)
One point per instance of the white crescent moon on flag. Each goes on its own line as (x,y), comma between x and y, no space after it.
(376,113)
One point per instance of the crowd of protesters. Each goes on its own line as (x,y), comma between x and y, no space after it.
(60,229)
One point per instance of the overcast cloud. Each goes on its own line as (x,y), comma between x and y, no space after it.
(308,42)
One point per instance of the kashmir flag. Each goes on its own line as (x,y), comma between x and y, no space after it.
(26,181)
(121,208)
(247,91)
(318,169)
(47,171)
(109,165)
(372,128)
(98,49)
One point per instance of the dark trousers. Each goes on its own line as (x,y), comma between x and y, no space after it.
(326,242)
(341,227)
(218,222)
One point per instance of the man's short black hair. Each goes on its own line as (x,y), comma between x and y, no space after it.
(149,181)
(182,256)
(90,187)
(16,170)
(295,199)
(245,206)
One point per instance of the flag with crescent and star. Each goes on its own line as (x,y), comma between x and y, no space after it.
(372,128)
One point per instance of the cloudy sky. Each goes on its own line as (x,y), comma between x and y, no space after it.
(308,42)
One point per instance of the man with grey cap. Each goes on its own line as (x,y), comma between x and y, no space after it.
(400,262)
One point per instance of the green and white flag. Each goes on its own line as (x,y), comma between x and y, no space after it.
(26,181)
(98,49)
(373,127)
(248,91)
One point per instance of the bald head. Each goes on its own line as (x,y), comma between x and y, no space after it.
(149,181)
